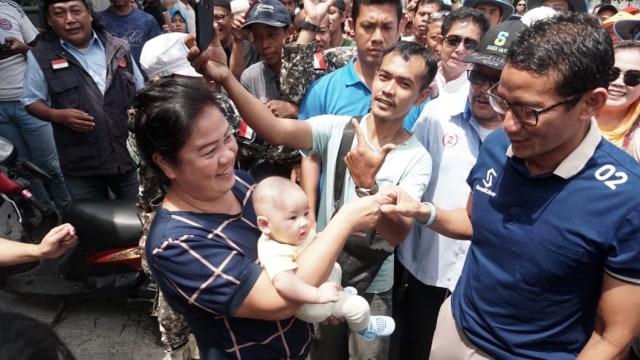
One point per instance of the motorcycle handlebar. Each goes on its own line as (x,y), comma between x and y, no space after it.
(9,186)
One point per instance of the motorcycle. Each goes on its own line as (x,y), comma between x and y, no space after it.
(105,262)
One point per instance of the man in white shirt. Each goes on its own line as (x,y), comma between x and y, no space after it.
(461,32)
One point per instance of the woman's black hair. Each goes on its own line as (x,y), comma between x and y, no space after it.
(163,115)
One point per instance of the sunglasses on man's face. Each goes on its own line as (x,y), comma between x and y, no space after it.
(630,78)
(455,40)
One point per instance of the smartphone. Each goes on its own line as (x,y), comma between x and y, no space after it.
(167,20)
(5,46)
(204,23)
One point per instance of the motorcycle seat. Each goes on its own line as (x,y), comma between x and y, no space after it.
(107,223)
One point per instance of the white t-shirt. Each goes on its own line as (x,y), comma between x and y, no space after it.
(408,165)
(276,257)
(15,23)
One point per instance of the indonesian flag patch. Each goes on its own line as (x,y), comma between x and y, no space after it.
(318,62)
(246,131)
(58,64)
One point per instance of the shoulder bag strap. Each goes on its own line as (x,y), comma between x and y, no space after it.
(341,167)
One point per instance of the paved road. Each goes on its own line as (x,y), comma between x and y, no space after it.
(96,329)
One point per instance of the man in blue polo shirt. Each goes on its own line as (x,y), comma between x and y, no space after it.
(554,212)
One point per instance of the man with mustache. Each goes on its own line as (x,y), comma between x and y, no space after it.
(82,79)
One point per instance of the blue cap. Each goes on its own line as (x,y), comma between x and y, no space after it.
(269,12)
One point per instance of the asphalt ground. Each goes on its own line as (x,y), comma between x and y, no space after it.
(96,328)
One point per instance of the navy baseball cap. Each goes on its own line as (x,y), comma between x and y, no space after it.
(269,12)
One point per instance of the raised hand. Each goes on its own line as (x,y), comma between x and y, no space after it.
(212,63)
(236,27)
(363,161)
(315,10)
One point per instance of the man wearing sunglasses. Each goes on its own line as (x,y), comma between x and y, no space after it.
(461,32)
(433,261)
(553,215)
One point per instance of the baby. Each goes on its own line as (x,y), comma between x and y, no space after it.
(282,211)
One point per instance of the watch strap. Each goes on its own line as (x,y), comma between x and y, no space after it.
(304,24)
(366,192)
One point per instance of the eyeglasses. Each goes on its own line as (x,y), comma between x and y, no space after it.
(455,40)
(526,115)
(630,78)
(477,78)
(219,17)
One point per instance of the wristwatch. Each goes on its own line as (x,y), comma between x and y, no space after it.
(362,192)
(304,24)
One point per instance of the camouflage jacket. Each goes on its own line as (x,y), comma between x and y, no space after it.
(301,66)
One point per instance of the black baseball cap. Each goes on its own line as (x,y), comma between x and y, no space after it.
(495,43)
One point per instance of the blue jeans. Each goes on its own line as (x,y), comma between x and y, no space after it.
(33,138)
(122,186)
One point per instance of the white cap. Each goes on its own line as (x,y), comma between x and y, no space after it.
(239,7)
(166,55)
(538,13)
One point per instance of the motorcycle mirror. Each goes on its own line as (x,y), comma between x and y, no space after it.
(7,152)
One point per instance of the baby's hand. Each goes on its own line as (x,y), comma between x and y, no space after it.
(327,292)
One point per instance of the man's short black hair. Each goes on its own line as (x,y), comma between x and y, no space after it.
(574,47)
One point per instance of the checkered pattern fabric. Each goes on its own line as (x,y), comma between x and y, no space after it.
(205,265)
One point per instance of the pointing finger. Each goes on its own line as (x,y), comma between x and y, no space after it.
(358,132)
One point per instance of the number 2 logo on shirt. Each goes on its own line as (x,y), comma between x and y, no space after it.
(610,177)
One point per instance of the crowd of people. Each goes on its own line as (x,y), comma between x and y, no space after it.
(366,179)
